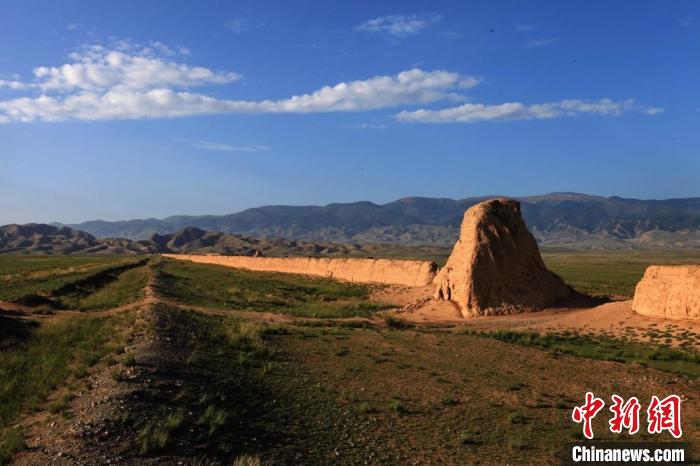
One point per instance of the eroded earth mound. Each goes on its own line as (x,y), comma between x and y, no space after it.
(669,292)
(495,267)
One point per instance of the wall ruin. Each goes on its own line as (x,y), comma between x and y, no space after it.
(387,271)
(669,292)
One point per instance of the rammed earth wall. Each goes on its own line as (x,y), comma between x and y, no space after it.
(387,271)
(669,291)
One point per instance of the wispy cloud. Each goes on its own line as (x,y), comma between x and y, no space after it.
(220,147)
(531,44)
(654,111)
(237,25)
(511,111)
(399,26)
(524,28)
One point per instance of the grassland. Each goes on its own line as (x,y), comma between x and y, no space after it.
(611,272)
(18,265)
(404,395)
(119,288)
(223,287)
(32,280)
(322,391)
(35,360)
(605,348)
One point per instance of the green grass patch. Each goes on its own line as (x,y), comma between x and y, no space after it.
(225,287)
(11,441)
(514,387)
(15,265)
(129,360)
(605,348)
(31,369)
(397,323)
(156,434)
(213,419)
(28,277)
(398,407)
(60,406)
(126,287)
(610,272)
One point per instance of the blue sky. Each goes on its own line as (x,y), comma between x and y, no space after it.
(128,109)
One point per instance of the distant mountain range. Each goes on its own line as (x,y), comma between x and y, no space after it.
(36,238)
(39,238)
(557,219)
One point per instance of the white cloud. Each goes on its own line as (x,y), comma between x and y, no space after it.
(471,113)
(130,82)
(100,69)
(408,87)
(654,110)
(540,43)
(399,26)
(237,25)
(126,81)
(217,146)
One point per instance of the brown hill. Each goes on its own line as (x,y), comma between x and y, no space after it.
(39,238)
(47,239)
(200,241)
(496,267)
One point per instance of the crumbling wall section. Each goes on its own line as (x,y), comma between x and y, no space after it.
(669,292)
(388,271)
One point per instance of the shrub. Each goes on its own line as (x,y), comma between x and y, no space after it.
(397,407)
(395,322)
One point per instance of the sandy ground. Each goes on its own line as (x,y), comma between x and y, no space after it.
(614,318)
